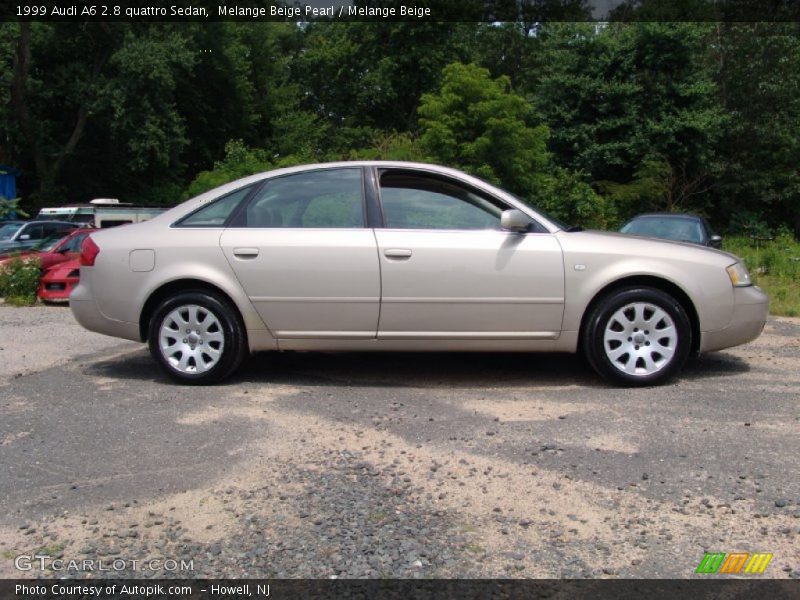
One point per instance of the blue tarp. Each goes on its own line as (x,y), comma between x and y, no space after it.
(8,182)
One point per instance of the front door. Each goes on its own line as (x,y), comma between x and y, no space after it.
(304,257)
(449,271)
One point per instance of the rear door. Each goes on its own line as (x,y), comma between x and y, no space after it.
(450,272)
(303,255)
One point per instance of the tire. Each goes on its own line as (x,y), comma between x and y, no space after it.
(637,336)
(209,340)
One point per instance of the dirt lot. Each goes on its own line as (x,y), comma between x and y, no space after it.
(353,465)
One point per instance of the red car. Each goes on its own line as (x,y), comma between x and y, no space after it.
(53,252)
(58,281)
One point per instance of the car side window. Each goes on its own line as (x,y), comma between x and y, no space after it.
(419,201)
(49,230)
(330,198)
(62,229)
(217,212)
(34,232)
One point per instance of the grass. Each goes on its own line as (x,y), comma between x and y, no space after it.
(774,265)
(52,549)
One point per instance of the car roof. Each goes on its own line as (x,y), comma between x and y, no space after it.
(668,215)
(35,221)
(209,195)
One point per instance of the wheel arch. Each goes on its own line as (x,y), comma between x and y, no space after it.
(653,281)
(182,285)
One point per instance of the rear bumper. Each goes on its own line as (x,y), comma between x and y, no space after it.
(87,313)
(55,291)
(750,310)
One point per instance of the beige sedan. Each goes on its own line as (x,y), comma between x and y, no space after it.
(400,256)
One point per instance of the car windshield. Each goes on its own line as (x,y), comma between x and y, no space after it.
(47,245)
(668,228)
(9,229)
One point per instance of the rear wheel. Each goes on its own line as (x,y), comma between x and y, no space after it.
(637,336)
(197,337)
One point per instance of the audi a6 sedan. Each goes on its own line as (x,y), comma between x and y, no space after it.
(397,256)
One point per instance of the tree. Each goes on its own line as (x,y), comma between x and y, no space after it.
(624,96)
(48,117)
(108,82)
(370,76)
(477,123)
(240,161)
(758,67)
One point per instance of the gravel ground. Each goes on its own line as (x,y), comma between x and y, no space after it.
(37,337)
(354,465)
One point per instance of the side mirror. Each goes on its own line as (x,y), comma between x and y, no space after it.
(715,241)
(24,237)
(515,220)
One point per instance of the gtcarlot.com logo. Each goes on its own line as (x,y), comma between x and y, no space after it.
(734,563)
(44,562)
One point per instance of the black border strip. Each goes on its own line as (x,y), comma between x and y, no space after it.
(407,589)
(490,11)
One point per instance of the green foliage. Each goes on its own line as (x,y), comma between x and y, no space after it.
(635,107)
(478,124)
(19,281)
(758,67)
(567,197)
(10,207)
(373,74)
(240,161)
(696,116)
(647,191)
(390,146)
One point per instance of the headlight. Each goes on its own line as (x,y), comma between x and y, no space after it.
(739,275)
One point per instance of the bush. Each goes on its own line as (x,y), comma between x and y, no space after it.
(240,161)
(19,281)
(775,266)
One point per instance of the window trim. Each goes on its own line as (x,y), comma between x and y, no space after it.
(236,222)
(537,227)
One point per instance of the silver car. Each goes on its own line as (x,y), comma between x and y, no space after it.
(402,256)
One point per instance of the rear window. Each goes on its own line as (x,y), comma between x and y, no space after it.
(216,213)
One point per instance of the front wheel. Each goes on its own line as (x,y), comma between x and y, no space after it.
(637,336)
(196,337)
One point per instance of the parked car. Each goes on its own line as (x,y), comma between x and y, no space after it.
(9,228)
(679,227)
(403,256)
(53,251)
(58,281)
(32,233)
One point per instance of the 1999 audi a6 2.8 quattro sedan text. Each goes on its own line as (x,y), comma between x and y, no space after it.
(403,256)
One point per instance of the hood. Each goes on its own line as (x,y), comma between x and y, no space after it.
(623,243)
(62,269)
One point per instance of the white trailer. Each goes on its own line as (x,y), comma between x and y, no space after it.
(102,212)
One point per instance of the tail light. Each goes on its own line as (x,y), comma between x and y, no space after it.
(89,252)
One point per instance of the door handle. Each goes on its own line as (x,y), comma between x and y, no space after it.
(400,253)
(245,252)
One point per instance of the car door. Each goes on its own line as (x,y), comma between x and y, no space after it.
(302,253)
(29,236)
(449,272)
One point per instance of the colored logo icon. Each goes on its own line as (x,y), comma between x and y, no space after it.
(734,563)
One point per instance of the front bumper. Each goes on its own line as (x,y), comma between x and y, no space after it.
(87,313)
(750,310)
